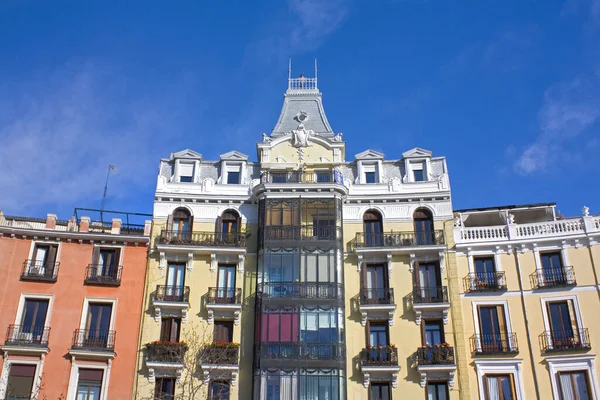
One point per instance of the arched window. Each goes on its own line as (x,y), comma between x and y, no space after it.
(373,228)
(180,223)
(228,226)
(424,233)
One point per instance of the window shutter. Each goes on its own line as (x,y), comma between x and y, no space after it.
(219,227)
(51,257)
(90,375)
(501,322)
(96,255)
(175,329)
(117,260)
(22,370)
(170,222)
(572,316)
(191,229)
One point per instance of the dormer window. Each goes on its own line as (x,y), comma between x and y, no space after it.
(186,172)
(370,173)
(233,177)
(370,177)
(418,170)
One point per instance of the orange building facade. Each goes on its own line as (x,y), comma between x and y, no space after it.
(71,296)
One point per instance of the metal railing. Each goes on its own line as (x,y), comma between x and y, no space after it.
(93,339)
(39,270)
(176,294)
(208,239)
(302,177)
(217,295)
(484,281)
(99,274)
(27,336)
(216,354)
(430,294)
(433,355)
(552,277)
(494,343)
(373,356)
(301,290)
(569,339)
(302,232)
(376,296)
(165,352)
(301,351)
(399,239)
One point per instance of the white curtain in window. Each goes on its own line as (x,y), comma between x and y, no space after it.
(324,320)
(310,322)
(566,387)
(40,257)
(311,268)
(581,386)
(492,386)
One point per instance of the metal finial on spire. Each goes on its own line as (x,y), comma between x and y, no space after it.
(315,68)
(290,69)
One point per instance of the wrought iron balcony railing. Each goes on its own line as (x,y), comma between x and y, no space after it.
(301,351)
(399,239)
(301,290)
(376,296)
(553,277)
(302,232)
(174,294)
(484,281)
(430,294)
(494,343)
(27,336)
(374,356)
(220,354)
(99,274)
(206,239)
(324,176)
(568,339)
(218,295)
(94,340)
(166,352)
(40,271)
(437,354)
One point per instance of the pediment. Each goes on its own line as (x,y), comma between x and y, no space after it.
(417,152)
(234,156)
(187,153)
(369,155)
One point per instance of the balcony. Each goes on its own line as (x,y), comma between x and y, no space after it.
(202,242)
(220,361)
(494,344)
(435,363)
(306,177)
(303,232)
(431,301)
(26,339)
(567,340)
(39,271)
(377,303)
(292,291)
(379,363)
(171,298)
(165,357)
(293,354)
(90,343)
(484,282)
(548,278)
(99,274)
(399,242)
(224,303)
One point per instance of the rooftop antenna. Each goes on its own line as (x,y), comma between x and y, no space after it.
(110,167)
(315,68)
(290,69)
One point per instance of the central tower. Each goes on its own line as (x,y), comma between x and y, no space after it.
(299,339)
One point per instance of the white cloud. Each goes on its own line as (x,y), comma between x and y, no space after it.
(61,131)
(569,110)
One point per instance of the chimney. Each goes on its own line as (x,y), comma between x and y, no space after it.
(51,221)
(147,228)
(84,224)
(116,226)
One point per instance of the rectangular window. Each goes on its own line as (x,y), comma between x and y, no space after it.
(170,329)
(485,273)
(186,172)
(563,323)
(574,385)
(34,316)
(429,281)
(433,332)
(226,283)
(20,381)
(97,327)
(500,387)
(106,261)
(437,391)
(370,177)
(43,259)
(175,282)
(375,284)
(323,176)
(164,389)
(380,391)
(492,325)
(552,268)
(418,170)
(89,385)
(219,390)
(233,177)
(223,331)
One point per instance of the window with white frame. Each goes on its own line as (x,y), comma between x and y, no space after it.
(88,381)
(186,172)
(493,330)
(233,174)
(32,321)
(43,260)
(563,324)
(97,324)
(21,379)
(500,379)
(419,172)
(573,377)
(370,173)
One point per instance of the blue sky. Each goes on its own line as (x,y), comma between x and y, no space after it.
(508,91)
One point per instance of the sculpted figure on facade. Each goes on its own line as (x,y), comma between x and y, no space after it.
(300,136)
(394,184)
